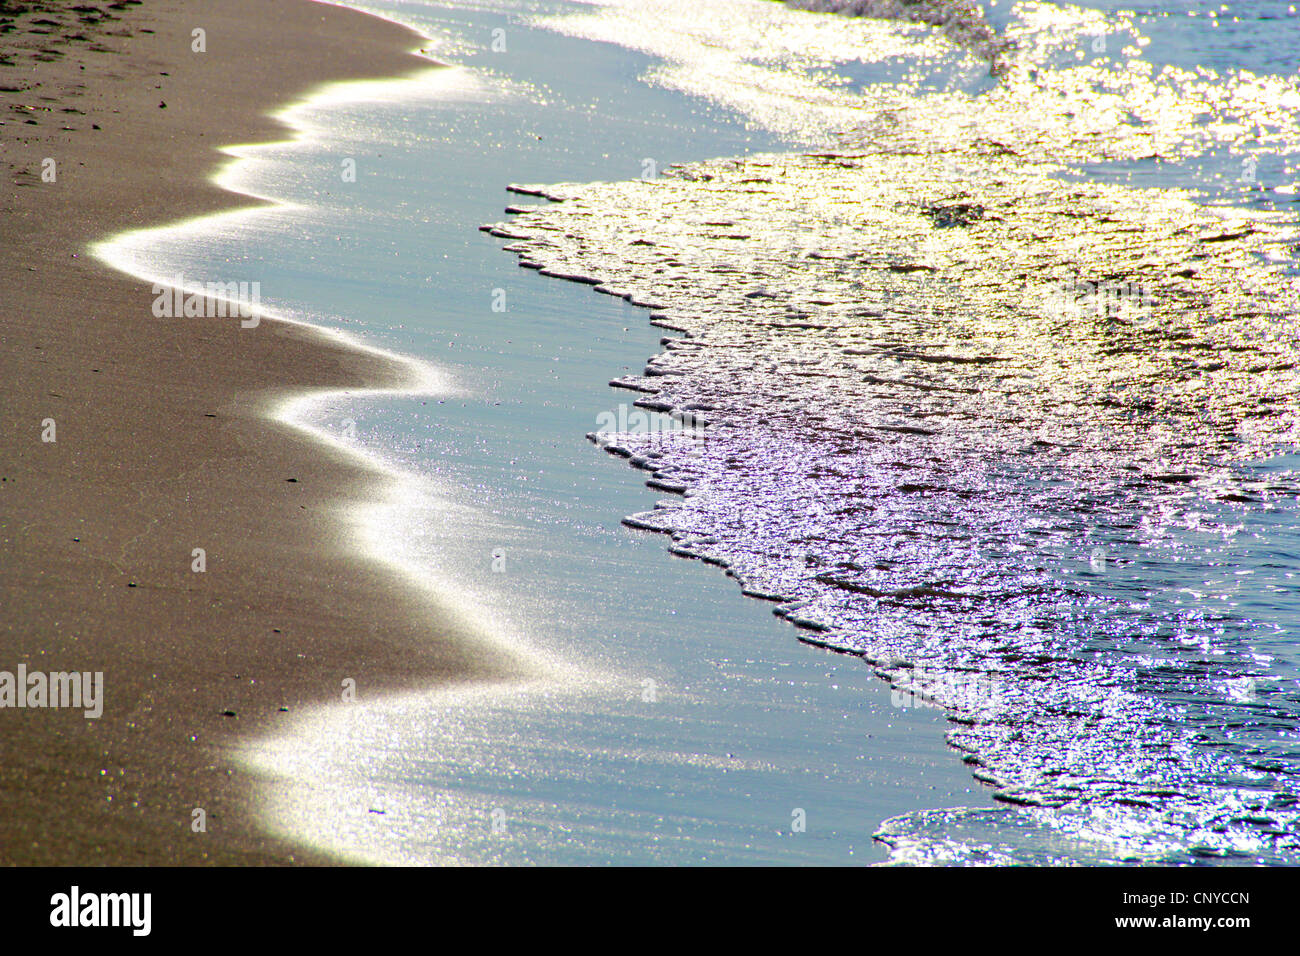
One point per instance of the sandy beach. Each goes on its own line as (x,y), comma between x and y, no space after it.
(163,444)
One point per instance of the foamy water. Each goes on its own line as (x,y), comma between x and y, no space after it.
(1018,433)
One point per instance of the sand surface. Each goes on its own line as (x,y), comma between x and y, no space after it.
(164,444)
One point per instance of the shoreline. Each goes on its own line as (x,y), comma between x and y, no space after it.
(194,440)
(167,440)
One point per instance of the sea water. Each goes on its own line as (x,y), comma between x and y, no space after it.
(673,719)
(990,400)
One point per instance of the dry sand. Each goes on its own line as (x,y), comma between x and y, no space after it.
(163,444)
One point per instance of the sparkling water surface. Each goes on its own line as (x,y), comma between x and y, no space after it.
(1115,644)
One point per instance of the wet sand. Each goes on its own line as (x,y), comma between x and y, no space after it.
(164,445)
